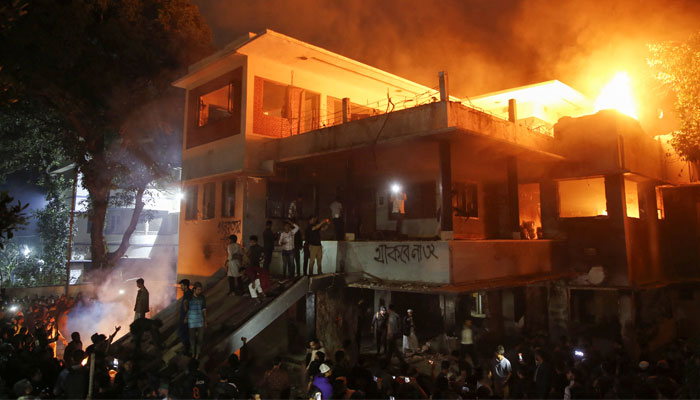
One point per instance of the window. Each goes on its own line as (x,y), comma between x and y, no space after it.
(209,200)
(632,198)
(582,198)
(465,200)
(191,195)
(113,226)
(529,207)
(420,201)
(660,214)
(275,200)
(274,99)
(228,198)
(310,112)
(215,105)
(334,111)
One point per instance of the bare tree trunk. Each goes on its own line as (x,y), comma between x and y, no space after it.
(114,256)
(99,201)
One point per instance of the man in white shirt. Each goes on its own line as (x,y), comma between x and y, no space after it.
(337,217)
(233,263)
(467,342)
(286,240)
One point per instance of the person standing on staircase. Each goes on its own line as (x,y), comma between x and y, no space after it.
(196,319)
(233,263)
(182,329)
(141,307)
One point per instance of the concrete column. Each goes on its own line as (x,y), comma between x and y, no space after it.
(446,188)
(512,110)
(627,315)
(382,297)
(444,86)
(558,308)
(311,315)
(513,207)
(549,199)
(508,310)
(448,308)
(346,109)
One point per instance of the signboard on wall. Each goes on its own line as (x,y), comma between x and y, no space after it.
(419,261)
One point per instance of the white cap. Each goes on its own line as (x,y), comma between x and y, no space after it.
(324,368)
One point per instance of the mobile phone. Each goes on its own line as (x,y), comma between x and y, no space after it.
(317,396)
(407,379)
(392,398)
(520,356)
(578,353)
(375,378)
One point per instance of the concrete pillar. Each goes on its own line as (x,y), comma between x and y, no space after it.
(382,297)
(627,315)
(508,310)
(535,308)
(311,315)
(512,110)
(444,86)
(513,207)
(446,188)
(346,109)
(549,204)
(558,307)
(448,308)
(494,321)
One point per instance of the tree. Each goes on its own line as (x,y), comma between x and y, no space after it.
(104,68)
(677,66)
(11,217)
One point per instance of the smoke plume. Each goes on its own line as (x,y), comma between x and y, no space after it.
(484,45)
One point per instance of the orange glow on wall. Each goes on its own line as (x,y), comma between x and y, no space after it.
(617,95)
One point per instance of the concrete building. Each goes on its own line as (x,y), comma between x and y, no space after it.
(522,205)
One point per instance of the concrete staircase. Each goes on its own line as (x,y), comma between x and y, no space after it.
(229,319)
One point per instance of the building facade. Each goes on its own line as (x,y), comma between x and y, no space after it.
(522,205)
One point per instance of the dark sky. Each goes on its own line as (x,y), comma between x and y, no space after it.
(484,45)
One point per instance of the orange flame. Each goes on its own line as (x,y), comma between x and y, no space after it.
(617,95)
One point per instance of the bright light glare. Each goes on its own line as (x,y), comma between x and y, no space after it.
(617,95)
(121,291)
(84,362)
(13,308)
(179,196)
(395,188)
(26,251)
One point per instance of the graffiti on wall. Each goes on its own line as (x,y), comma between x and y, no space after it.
(404,253)
(228,228)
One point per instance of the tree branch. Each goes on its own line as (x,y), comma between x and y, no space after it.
(114,256)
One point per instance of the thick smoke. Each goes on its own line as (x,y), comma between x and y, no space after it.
(115,297)
(484,45)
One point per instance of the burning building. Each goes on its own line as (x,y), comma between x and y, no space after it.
(525,206)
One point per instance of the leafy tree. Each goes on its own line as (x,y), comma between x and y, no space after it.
(104,68)
(677,66)
(11,217)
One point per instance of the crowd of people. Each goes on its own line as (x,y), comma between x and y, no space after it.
(32,364)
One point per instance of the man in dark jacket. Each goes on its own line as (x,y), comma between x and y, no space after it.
(141,307)
(379,328)
(542,376)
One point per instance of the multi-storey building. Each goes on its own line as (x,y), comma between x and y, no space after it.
(522,205)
